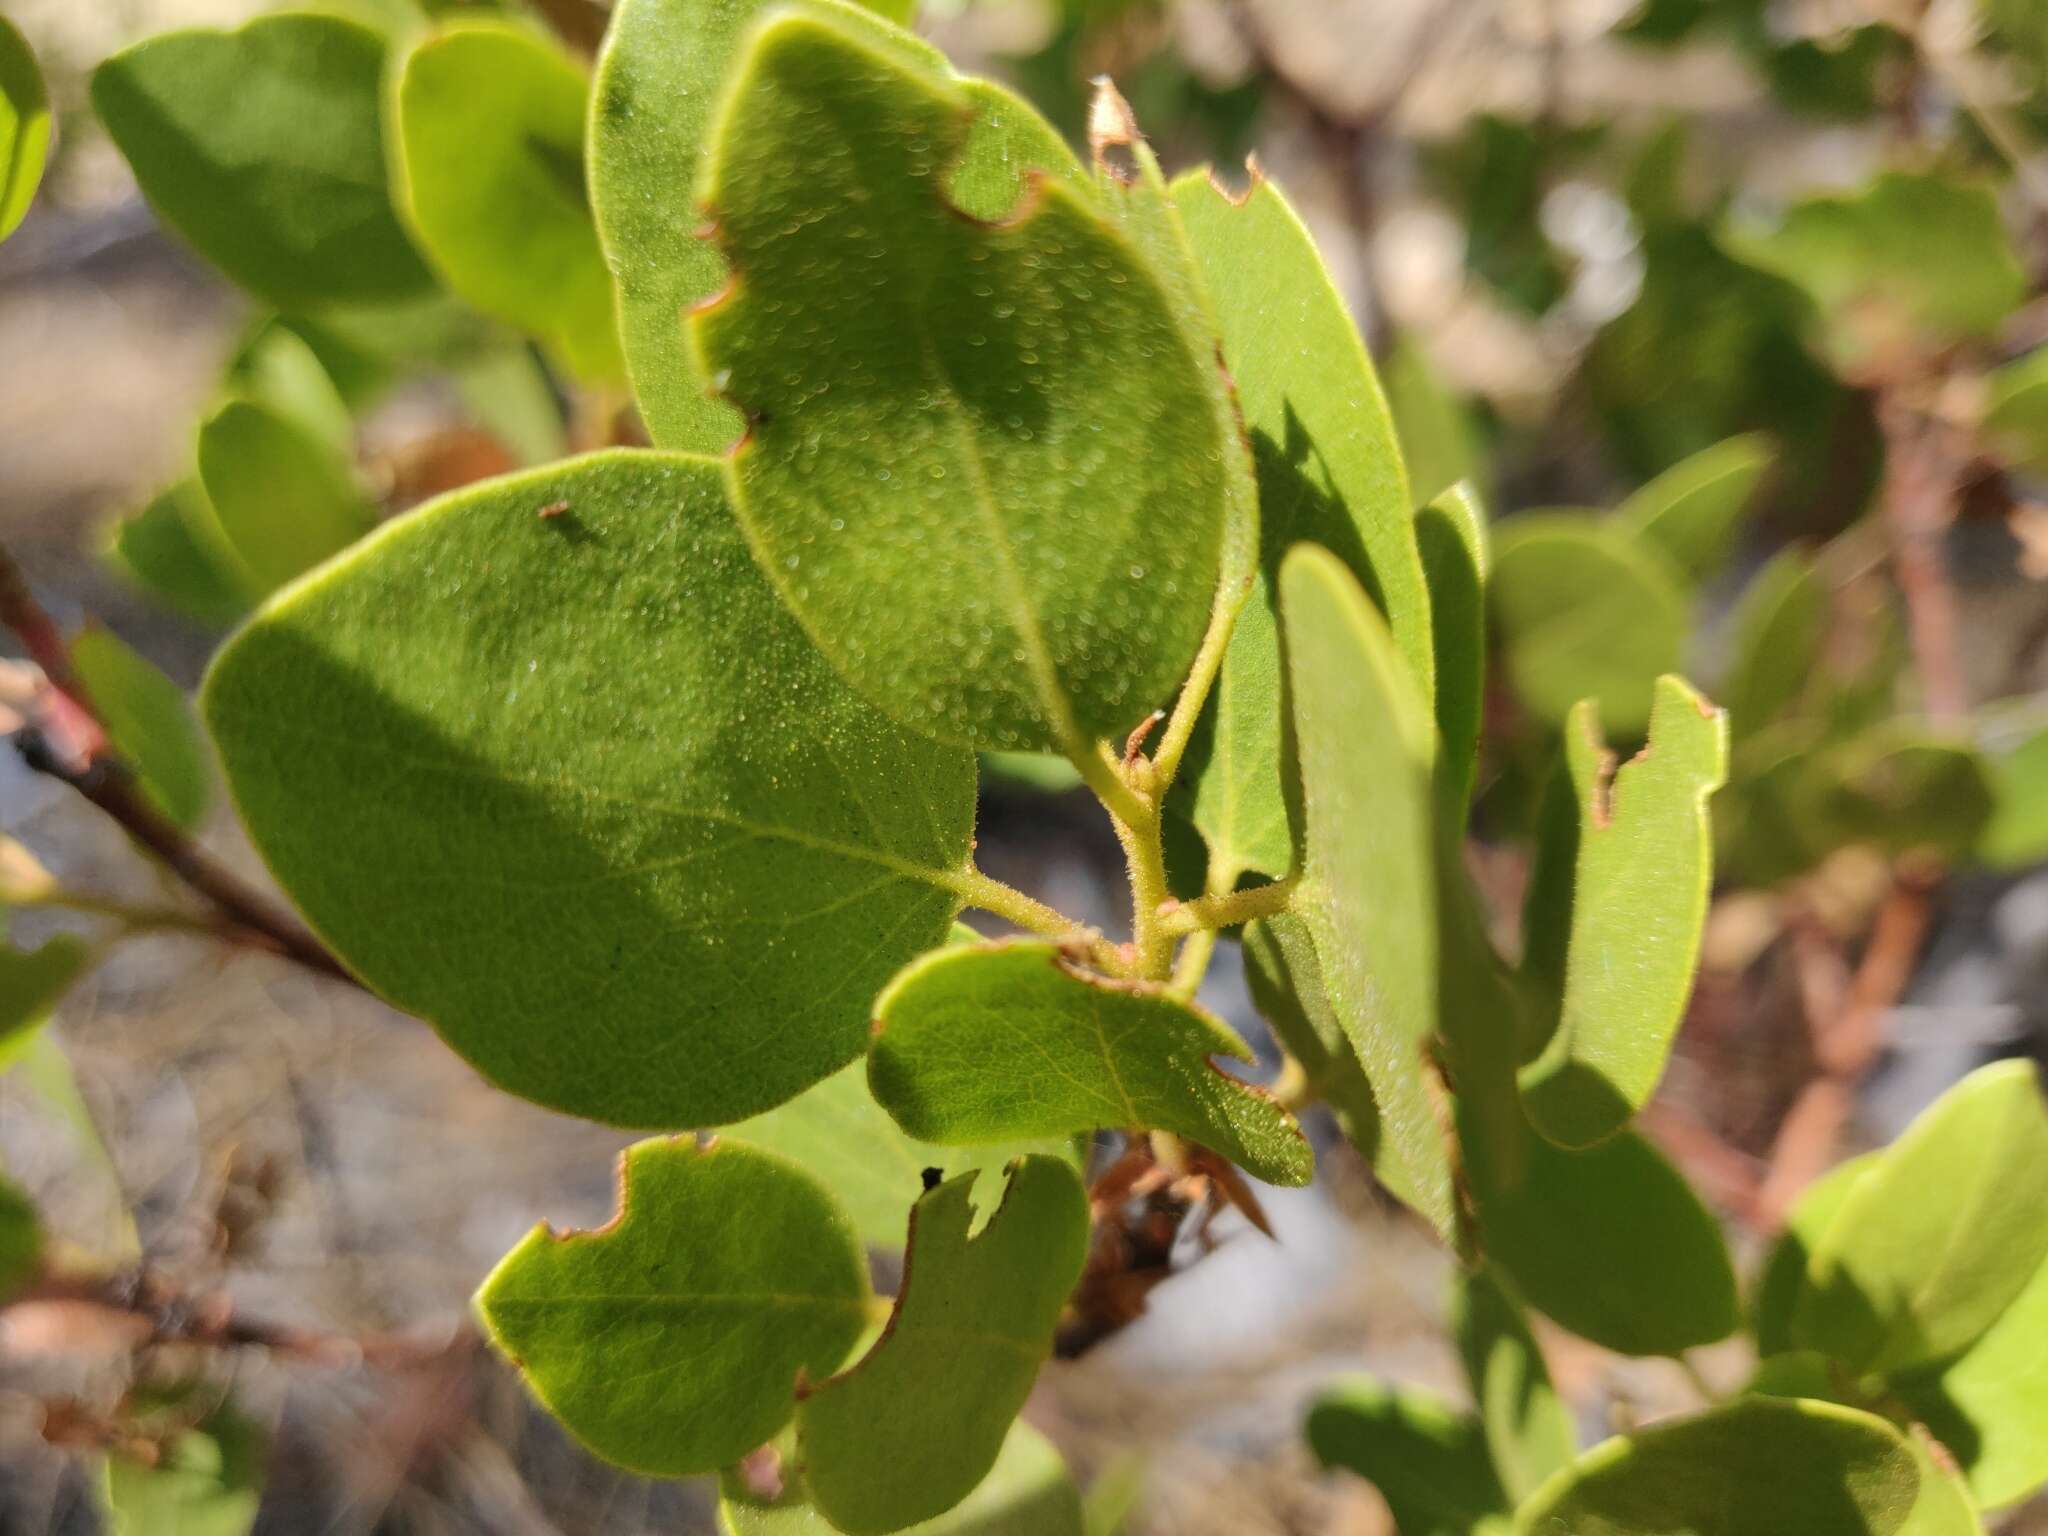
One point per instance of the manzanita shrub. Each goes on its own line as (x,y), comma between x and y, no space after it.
(648,775)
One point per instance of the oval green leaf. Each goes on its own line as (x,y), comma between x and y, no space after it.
(24,127)
(490,123)
(1450,533)
(171,550)
(2016,411)
(914,1427)
(1782,1280)
(31,983)
(1429,1462)
(1757,1467)
(1527,1427)
(1934,1244)
(1014,1040)
(1693,511)
(207,1482)
(1776,635)
(264,147)
(560,716)
(672,1340)
(282,499)
(150,722)
(997,423)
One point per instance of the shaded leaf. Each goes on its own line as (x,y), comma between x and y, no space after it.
(1368,892)
(1776,634)
(659,838)
(1526,1426)
(1450,533)
(265,148)
(1440,442)
(1028,1492)
(1781,1282)
(150,722)
(48,1076)
(208,1482)
(1582,613)
(31,982)
(24,127)
(1756,1467)
(2016,411)
(170,551)
(2013,753)
(875,1172)
(1642,870)
(276,366)
(282,500)
(1429,1462)
(1693,511)
(1904,786)
(1011,1040)
(909,1431)
(997,422)
(1935,1243)
(672,1340)
(21,1241)
(509,394)
(490,122)
(657,83)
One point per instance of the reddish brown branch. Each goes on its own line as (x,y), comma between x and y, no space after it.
(1921,476)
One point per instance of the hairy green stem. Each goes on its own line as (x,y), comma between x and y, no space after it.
(1187,709)
(1029,913)
(1230,909)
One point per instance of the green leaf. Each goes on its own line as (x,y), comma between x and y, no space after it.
(657,83)
(1693,511)
(997,422)
(276,366)
(508,393)
(1429,1462)
(1781,1283)
(1440,443)
(2013,752)
(2016,411)
(682,857)
(21,1241)
(1757,1467)
(1527,1427)
(1903,785)
(1583,613)
(1012,1040)
(1611,1243)
(1450,533)
(672,1340)
(909,1431)
(48,1076)
(490,123)
(1643,868)
(1988,1406)
(1776,635)
(208,1482)
(1028,1492)
(24,127)
(1933,1245)
(282,500)
(840,1134)
(168,550)
(1910,259)
(31,982)
(150,722)
(265,148)
(1329,473)
(1368,892)
(1038,773)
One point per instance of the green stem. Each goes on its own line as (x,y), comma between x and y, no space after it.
(1144,850)
(133,919)
(1028,912)
(1193,963)
(1229,910)
(1187,709)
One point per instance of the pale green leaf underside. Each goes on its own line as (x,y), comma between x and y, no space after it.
(490,133)
(1028,1492)
(24,127)
(265,148)
(1693,511)
(997,424)
(1429,1462)
(1638,903)
(672,1341)
(282,500)
(1329,472)
(1757,1467)
(149,721)
(1933,1245)
(576,790)
(909,1431)
(1527,1428)
(1583,612)
(1011,1040)
(840,1134)
(1368,886)
(208,1482)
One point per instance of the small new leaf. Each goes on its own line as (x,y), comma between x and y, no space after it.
(909,1431)
(282,499)
(207,1481)
(1429,1462)
(149,721)
(24,127)
(672,1341)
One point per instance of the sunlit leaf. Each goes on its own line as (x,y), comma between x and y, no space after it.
(265,148)
(1781,1282)
(208,1482)
(672,1340)
(997,422)
(169,550)
(911,1429)
(2013,752)
(2016,411)
(679,881)
(490,122)
(24,127)
(1757,1467)
(282,499)
(1526,1425)
(150,722)
(1012,1040)
(276,366)
(1429,1462)
(1693,511)
(31,982)
(1935,1243)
